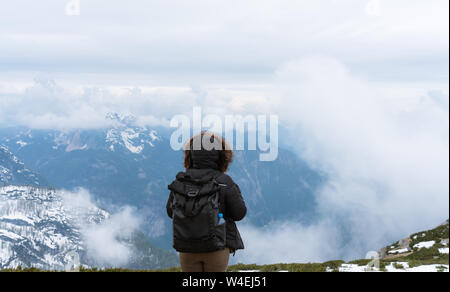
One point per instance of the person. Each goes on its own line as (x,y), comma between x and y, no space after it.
(203,164)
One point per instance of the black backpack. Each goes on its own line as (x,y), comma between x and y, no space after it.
(195,215)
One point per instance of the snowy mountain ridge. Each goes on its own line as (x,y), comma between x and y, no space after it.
(122,133)
(13,171)
(38,228)
(126,133)
(48,228)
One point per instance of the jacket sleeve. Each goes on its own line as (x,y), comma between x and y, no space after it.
(234,203)
(169,204)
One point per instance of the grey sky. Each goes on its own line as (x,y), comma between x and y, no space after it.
(178,39)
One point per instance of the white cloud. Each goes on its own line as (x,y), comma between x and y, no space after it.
(384,148)
(105,241)
(289,242)
(386,158)
(220,37)
(47,104)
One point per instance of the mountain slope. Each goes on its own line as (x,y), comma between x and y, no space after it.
(13,171)
(37,229)
(41,228)
(425,245)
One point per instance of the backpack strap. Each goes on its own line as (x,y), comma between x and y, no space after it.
(221,195)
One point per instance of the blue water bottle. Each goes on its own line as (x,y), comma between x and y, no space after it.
(221,220)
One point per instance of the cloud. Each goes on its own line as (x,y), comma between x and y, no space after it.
(386,157)
(289,242)
(220,38)
(106,240)
(48,104)
(384,148)
(129,59)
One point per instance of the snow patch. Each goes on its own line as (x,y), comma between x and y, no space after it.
(22,143)
(127,137)
(424,244)
(402,250)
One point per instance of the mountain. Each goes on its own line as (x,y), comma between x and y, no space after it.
(42,227)
(13,171)
(38,230)
(428,244)
(128,164)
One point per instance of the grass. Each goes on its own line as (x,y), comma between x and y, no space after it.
(435,234)
(292,267)
(419,257)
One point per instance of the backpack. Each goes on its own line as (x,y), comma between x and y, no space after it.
(195,216)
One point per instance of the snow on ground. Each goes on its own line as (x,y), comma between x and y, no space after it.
(395,267)
(352,268)
(424,244)
(17,216)
(427,268)
(9,234)
(22,143)
(127,137)
(443,250)
(423,268)
(403,250)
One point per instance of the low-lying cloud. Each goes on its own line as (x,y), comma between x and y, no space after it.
(386,156)
(49,104)
(287,242)
(106,241)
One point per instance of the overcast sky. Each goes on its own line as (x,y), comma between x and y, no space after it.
(179,40)
(124,57)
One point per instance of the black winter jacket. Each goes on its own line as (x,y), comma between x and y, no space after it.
(232,204)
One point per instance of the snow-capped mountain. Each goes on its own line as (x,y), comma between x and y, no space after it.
(129,164)
(45,228)
(125,133)
(37,228)
(122,134)
(13,171)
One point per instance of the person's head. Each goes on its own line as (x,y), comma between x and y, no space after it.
(207,150)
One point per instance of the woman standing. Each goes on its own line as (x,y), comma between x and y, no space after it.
(204,204)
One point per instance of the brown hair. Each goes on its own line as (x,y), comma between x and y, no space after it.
(225,152)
